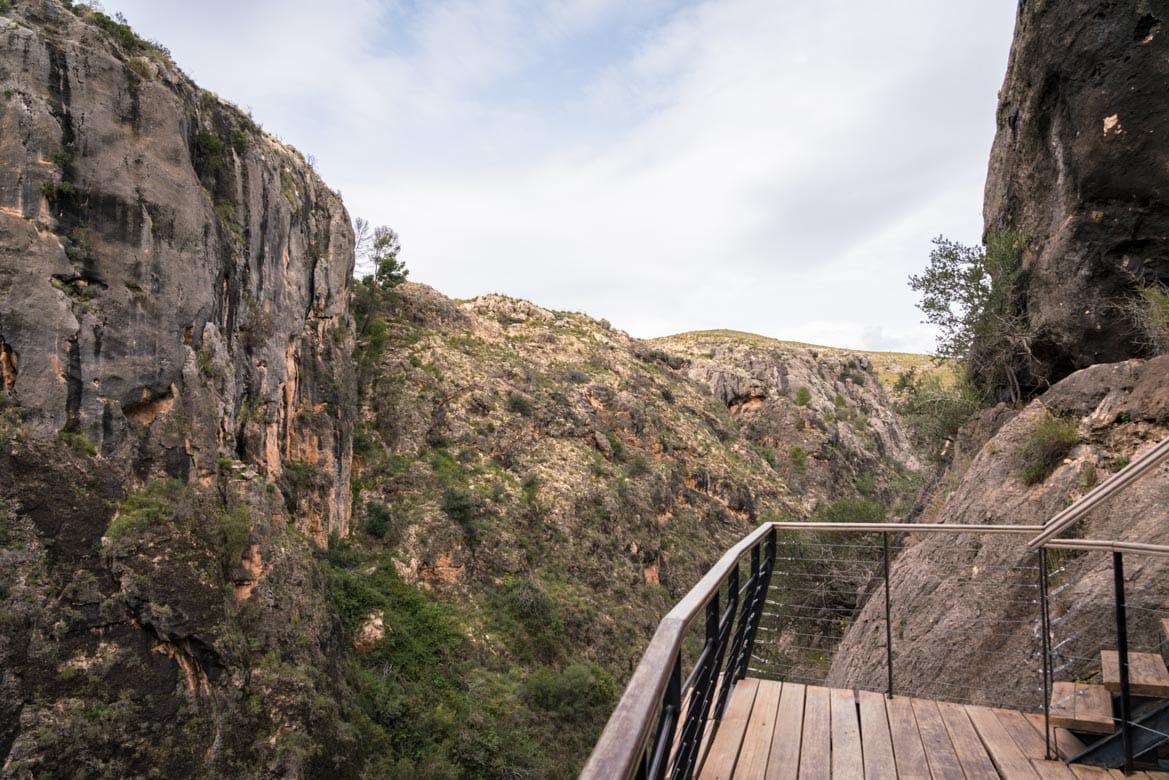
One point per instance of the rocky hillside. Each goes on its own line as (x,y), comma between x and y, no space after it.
(1077,169)
(181,589)
(557,485)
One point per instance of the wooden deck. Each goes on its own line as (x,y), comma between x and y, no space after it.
(786,730)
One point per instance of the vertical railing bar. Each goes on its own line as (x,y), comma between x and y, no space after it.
(706,684)
(763,586)
(888,617)
(1122,659)
(669,722)
(1045,627)
(724,634)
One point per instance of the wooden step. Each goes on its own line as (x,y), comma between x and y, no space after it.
(1081,707)
(1147,675)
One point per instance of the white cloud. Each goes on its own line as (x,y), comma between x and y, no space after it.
(669,166)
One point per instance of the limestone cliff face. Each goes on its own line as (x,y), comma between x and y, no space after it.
(1078,167)
(173,281)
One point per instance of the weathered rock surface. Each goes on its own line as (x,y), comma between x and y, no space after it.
(845,423)
(173,281)
(1078,168)
(176,411)
(965,609)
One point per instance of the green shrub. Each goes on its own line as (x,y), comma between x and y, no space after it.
(638,466)
(78,442)
(152,506)
(528,619)
(850,510)
(933,409)
(209,154)
(517,403)
(1051,440)
(462,506)
(866,483)
(232,535)
(377,519)
(803,396)
(799,460)
(768,454)
(578,692)
(1149,313)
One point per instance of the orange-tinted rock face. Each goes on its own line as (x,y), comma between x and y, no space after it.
(173,282)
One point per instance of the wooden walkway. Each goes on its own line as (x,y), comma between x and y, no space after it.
(786,730)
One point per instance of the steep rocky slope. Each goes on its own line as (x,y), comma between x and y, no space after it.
(175,419)
(558,485)
(1077,168)
(940,584)
(824,407)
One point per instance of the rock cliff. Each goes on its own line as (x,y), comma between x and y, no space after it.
(173,281)
(1078,168)
(176,411)
(962,627)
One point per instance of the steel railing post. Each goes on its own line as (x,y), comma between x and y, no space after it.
(1122,658)
(888,616)
(1045,628)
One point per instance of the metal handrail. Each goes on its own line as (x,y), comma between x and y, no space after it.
(621,750)
(1060,522)
(622,745)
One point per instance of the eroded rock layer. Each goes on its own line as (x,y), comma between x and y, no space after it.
(173,281)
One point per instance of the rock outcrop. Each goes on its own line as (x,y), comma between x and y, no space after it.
(173,281)
(825,402)
(1078,168)
(965,609)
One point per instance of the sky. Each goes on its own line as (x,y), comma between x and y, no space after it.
(760,165)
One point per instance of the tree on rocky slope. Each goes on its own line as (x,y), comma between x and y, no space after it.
(378,247)
(967,292)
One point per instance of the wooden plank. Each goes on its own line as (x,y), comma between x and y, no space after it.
(908,752)
(816,748)
(1002,748)
(939,750)
(847,760)
(1052,770)
(728,739)
(1082,707)
(784,761)
(971,752)
(757,741)
(1147,675)
(1086,772)
(1027,738)
(1065,743)
(876,743)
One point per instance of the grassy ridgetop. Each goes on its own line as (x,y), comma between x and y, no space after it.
(888,365)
